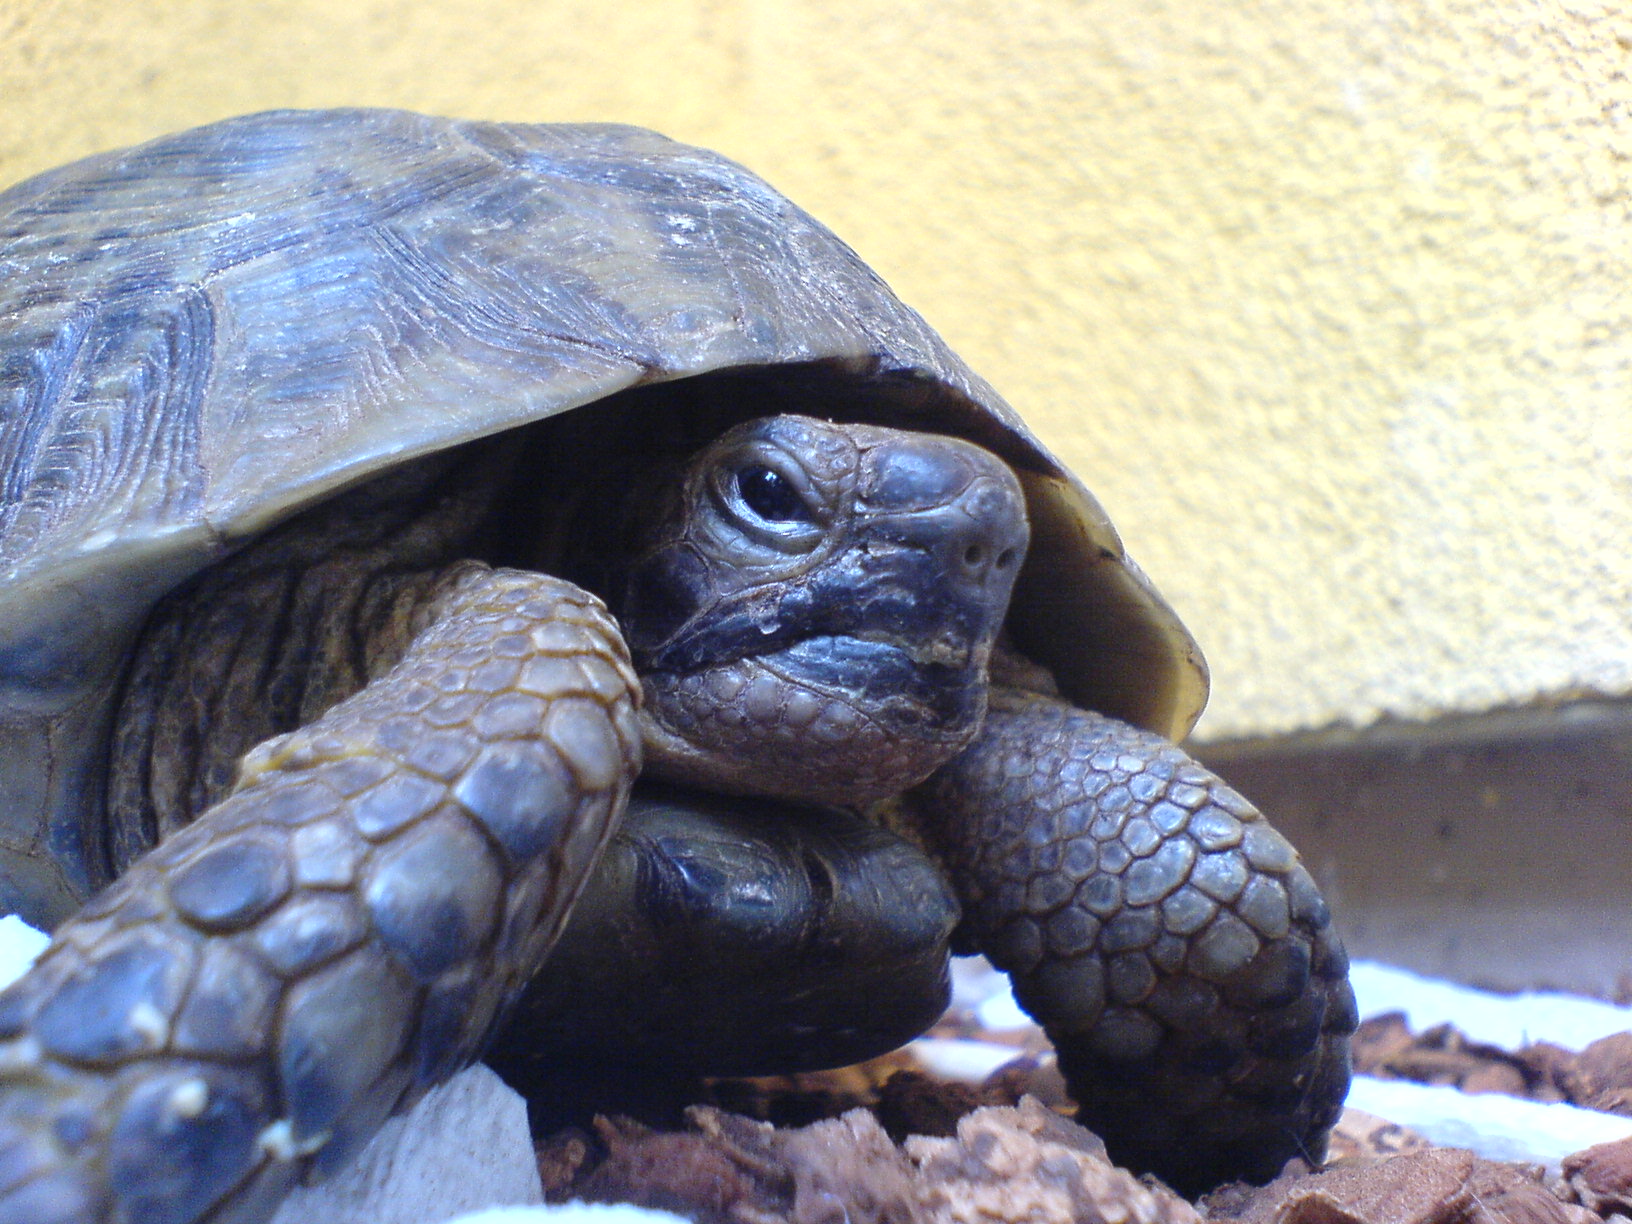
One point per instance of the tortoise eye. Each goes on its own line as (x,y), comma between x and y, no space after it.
(771,495)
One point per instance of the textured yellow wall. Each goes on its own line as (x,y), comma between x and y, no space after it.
(1328,301)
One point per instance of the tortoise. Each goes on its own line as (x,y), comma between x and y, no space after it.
(381,490)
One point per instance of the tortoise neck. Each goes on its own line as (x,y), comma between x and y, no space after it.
(271,638)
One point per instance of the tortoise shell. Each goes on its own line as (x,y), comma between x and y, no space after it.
(205,334)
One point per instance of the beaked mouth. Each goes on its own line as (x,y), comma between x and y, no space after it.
(750,633)
(928,685)
(949,650)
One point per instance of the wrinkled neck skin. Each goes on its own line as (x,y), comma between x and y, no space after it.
(812,608)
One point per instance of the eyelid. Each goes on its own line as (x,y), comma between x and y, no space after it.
(802,534)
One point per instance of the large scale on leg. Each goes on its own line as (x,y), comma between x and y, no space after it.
(324,437)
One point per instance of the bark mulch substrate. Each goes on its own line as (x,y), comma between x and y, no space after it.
(1599,1077)
(886,1143)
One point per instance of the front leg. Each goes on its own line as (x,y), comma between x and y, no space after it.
(740,937)
(1167,938)
(256,995)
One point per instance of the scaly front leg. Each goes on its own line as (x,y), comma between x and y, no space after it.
(1178,954)
(256,995)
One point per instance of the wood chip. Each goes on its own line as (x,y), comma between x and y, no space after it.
(1363,1138)
(1605,1068)
(1601,1176)
(1005,1165)
(1028,1165)
(1428,1187)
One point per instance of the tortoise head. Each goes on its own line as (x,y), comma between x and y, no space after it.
(813,607)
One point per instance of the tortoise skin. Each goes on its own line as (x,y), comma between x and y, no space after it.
(206,336)
(248,1002)
(1179,955)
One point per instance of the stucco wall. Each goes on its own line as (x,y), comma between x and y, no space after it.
(1328,301)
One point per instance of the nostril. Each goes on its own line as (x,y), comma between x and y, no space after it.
(1005,558)
(974,556)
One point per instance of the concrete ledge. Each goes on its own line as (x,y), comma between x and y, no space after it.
(1492,849)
